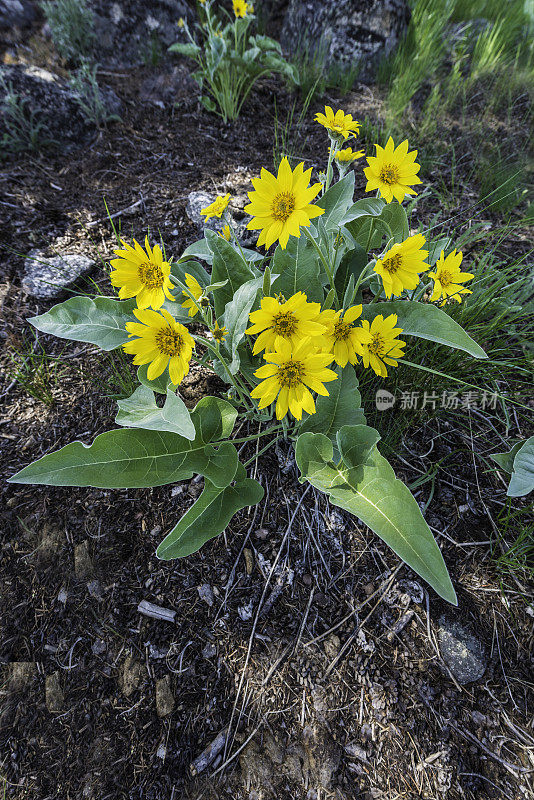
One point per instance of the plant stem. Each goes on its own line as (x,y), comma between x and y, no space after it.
(324,262)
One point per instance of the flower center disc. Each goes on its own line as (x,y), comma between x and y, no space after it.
(377,344)
(445,278)
(290,374)
(150,275)
(285,324)
(342,330)
(389,174)
(169,342)
(283,206)
(393,263)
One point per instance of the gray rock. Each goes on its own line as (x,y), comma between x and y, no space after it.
(16,13)
(350,31)
(47,278)
(130,31)
(196,201)
(53,103)
(462,651)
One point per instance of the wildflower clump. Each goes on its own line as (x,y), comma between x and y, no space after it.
(294,333)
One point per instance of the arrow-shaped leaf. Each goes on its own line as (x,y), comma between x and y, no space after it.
(364,484)
(210,515)
(427,322)
(99,321)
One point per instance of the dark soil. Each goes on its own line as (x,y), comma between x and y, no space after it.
(324,673)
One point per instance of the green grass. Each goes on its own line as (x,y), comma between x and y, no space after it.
(34,370)
(71,25)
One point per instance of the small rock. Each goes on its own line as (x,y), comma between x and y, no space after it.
(132,675)
(47,278)
(249,560)
(205,592)
(245,612)
(98,647)
(462,651)
(209,650)
(164,697)
(54,697)
(21,673)
(83,565)
(95,590)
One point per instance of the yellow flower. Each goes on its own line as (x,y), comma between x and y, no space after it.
(240,8)
(160,341)
(290,321)
(217,208)
(281,206)
(448,278)
(202,2)
(290,375)
(226,233)
(392,171)
(218,333)
(341,337)
(181,22)
(399,268)
(141,274)
(378,344)
(340,124)
(196,290)
(348,155)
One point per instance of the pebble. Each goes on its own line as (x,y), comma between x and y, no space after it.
(462,651)
(46,278)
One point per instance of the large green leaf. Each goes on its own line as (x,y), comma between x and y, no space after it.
(394,216)
(341,407)
(184,49)
(352,263)
(522,480)
(201,250)
(426,322)
(99,321)
(364,484)
(236,316)
(130,458)
(336,201)
(298,267)
(189,266)
(227,266)
(209,515)
(366,207)
(140,411)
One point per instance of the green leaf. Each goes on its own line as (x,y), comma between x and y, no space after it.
(367,207)
(190,267)
(435,248)
(364,484)
(201,250)
(341,407)
(99,321)
(352,264)
(159,384)
(140,411)
(394,216)
(426,322)
(298,267)
(506,460)
(522,480)
(132,459)
(184,49)
(336,201)
(236,315)
(210,515)
(135,458)
(227,265)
